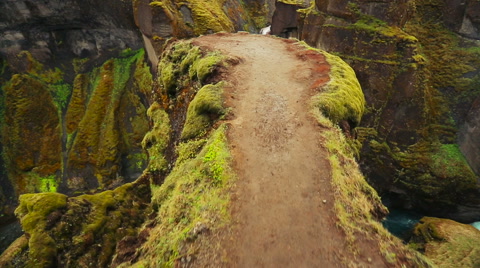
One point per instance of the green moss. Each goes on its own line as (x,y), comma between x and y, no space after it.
(33,212)
(342,97)
(295,2)
(189,149)
(207,103)
(448,161)
(77,105)
(98,140)
(435,172)
(181,59)
(356,202)
(205,65)
(194,194)
(167,77)
(191,57)
(447,243)
(31,135)
(34,208)
(157,139)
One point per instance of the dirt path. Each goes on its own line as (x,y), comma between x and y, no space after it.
(281,219)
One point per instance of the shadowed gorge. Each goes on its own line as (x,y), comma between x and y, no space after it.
(141,133)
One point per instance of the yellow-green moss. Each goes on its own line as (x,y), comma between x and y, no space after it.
(99,141)
(342,97)
(77,105)
(447,243)
(31,133)
(436,171)
(295,2)
(207,103)
(195,193)
(157,139)
(356,201)
(181,59)
(188,150)
(33,212)
(205,65)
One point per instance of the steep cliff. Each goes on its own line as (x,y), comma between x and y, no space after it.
(417,62)
(76,86)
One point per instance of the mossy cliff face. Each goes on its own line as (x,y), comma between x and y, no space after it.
(419,79)
(78,231)
(106,122)
(79,136)
(46,45)
(447,243)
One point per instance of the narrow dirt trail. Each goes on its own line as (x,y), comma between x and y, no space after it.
(280,217)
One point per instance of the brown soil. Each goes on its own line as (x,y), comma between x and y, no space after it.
(282,203)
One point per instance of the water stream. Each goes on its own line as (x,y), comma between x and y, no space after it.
(400,222)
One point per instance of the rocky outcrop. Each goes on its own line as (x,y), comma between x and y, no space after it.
(77,231)
(418,93)
(447,243)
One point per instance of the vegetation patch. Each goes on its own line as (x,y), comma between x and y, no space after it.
(447,243)
(98,139)
(184,62)
(207,104)
(157,139)
(357,205)
(79,231)
(193,200)
(342,97)
(33,212)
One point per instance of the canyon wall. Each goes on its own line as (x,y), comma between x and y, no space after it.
(418,64)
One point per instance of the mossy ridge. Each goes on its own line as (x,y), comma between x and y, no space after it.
(33,212)
(341,98)
(31,133)
(357,205)
(207,103)
(447,243)
(98,140)
(193,199)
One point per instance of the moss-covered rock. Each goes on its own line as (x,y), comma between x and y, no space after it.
(158,138)
(107,121)
(447,243)
(207,105)
(78,231)
(34,211)
(31,134)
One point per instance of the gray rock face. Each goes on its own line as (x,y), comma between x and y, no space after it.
(469,137)
(80,28)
